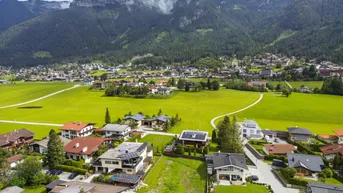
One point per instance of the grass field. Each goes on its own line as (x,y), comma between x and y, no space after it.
(310,84)
(176,175)
(38,189)
(195,109)
(250,188)
(40,131)
(159,141)
(21,92)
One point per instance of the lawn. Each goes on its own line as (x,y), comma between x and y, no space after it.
(40,131)
(196,109)
(38,189)
(310,84)
(159,141)
(22,92)
(176,175)
(249,188)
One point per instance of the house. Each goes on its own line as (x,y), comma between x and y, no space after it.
(126,179)
(313,187)
(193,138)
(162,91)
(4,82)
(53,184)
(255,83)
(330,151)
(155,122)
(227,168)
(76,129)
(84,147)
(339,134)
(306,165)
(16,139)
(250,130)
(266,73)
(136,118)
(267,133)
(280,134)
(74,187)
(15,160)
(305,89)
(12,189)
(116,131)
(42,145)
(278,149)
(299,135)
(328,138)
(128,158)
(135,132)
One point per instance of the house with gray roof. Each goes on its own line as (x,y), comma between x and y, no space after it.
(227,168)
(137,118)
(306,165)
(193,138)
(155,122)
(313,187)
(42,145)
(299,134)
(116,131)
(250,129)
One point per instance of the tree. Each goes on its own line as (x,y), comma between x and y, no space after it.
(107,117)
(189,151)
(206,150)
(194,152)
(5,169)
(215,85)
(181,84)
(55,150)
(187,88)
(336,161)
(179,149)
(286,92)
(229,137)
(208,84)
(214,136)
(326,173)
(159,112)
(290,172)
(30,170)
(166,125)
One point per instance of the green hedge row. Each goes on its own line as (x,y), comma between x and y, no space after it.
(279,157)
(71,169)
(77,164)
(294,181)
(337,177)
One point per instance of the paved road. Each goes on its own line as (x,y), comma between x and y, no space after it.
(41,98)
(245,108)
(31,123)
(290,86)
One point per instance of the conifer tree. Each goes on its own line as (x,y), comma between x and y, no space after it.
(107,117)
(55,151)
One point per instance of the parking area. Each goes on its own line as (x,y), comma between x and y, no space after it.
(65,176)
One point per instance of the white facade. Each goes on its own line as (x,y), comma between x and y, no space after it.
(231,173)
(250,129)
(73,156)
(71,134)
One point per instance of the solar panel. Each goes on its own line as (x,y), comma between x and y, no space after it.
(126,178)
(127,156)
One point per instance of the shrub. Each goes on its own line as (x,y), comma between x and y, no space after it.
(77,164)
(272,157)
(290,172)
(290,180)
(326,173)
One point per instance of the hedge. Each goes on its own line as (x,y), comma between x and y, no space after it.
(294,181)
(71,169)
(337,177)
(302,147)
(279,157)
(77,164)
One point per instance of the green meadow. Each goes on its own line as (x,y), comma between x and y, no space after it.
(249,188)
(159,141)
(310,84)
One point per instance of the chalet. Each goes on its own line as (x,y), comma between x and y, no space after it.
(328,138)
(16,139)
(15,160)
(193,138)
(306,165)
(116,131)
(84,147)
(42,145)
(339,134)
(76,129)
(278,149)
(299,135)
(136,118)
(128,158)
(250,129)
(155,122)
(305,89)
(227,168)
(313,187)
(330,151)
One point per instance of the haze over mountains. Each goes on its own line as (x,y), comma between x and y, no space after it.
(178,30)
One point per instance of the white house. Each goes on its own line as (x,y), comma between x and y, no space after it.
(76,129)
(15,160)
(250,129)
(116,131)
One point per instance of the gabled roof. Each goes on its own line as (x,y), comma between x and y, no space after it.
(53,184)
(324,188)
(136,117)
(310,162)
(84,145)
(44,142)
(115,127)
(13,136)
(279,148)
(126,178)
(15,158)
(332,149)
(125,151)
(295,130)
(338,132)
(76,126)
(299,137)
(162,118)
(190,135)
(327,137)
(229,159)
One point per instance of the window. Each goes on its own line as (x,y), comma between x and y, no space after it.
(115,163)
(252,131)
(244,130)
(107,162)
(258,131)
(129,170)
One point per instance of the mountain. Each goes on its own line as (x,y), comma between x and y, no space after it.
(177,30)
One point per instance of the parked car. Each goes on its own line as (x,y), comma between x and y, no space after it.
(52,172)
(47,172)
(254,178)
(72,176)
(58,172)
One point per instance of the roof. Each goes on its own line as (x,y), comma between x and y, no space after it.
(324,188)
(13,136)
(226,159)
(44,142)
(338,132)
(53,184)
(12,189)
(295,130)
(332,149)
(137,117)
(327,137)
(15,158)
(116,127)
(267,132)
(310,162)
(163,118)
(126,178)
(124,151)
(77,126)
(190,135)
(301,137)
(84,145)
(279,148)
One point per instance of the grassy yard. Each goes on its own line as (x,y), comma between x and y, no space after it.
(40,131)
(310,84)
(21,92)
(38,189)
(196,109)
(159,141)
(176,175)
(249,188)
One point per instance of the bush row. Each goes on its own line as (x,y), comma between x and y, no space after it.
(294,181)
(77,164)
(71,169)
(279,157)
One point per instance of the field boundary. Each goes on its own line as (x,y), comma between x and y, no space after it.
(31,123)
(290,86)
(40,98)
(245,108)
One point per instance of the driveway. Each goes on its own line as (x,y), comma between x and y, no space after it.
(267,177)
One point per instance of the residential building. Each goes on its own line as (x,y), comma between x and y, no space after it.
(84,147)
(193,138)
(15,160)
(313,187)
(299,135)
(305,89)
(267,73)
(136,118)
(278,149)
(128,158)
(116,131)
(74,187)
(339,134)
(330,151)
(155,122)
(328,138)
(227,168)
(126,179)
(161,91)
(250,130)
(76,129)
(12,189)
(42,145)
(306,165)
(16,139)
